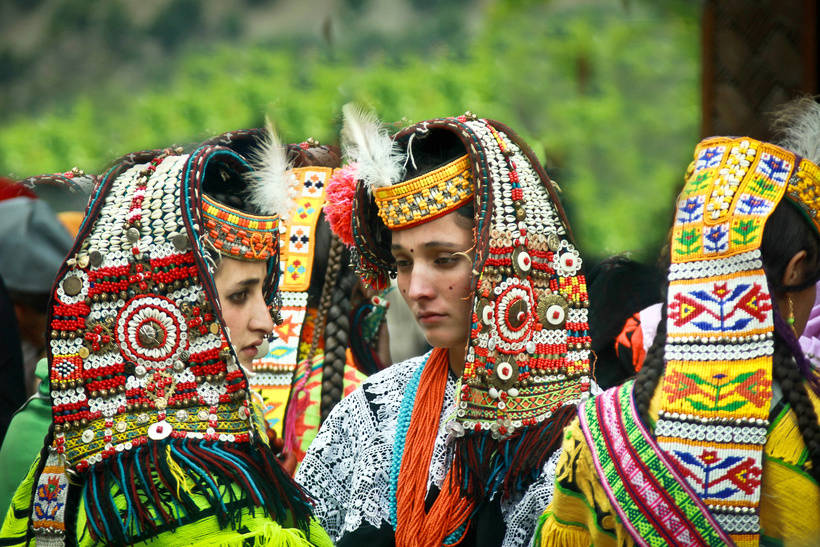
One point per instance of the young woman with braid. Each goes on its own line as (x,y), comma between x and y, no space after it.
(456,446)
(716,442)
(167,294)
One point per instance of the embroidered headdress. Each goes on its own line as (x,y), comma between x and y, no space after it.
(150,408)
(527,360)
(717,389)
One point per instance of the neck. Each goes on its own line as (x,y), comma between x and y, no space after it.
(456,358)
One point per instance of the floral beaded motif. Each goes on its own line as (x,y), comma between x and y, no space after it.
(717,389)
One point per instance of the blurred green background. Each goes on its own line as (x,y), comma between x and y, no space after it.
(605,91)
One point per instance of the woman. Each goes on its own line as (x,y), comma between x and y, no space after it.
(330,336)
(717,440)
(480,246)
(167,291)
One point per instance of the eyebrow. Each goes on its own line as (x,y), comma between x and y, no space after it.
(249,282)
(431,244)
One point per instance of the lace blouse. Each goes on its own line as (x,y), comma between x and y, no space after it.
(347,467)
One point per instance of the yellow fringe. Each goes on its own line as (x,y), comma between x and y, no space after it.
(178,473)
(14,527)
(555,534)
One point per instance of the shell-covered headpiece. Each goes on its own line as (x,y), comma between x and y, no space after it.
(717,389)
(527,360)
(149,403)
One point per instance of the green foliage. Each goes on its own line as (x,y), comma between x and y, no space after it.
(608,96)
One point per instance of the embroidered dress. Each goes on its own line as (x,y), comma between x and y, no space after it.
(349,461)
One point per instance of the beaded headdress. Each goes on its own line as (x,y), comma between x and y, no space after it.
(527,360)
(426,197)
(717,389)
(150,408)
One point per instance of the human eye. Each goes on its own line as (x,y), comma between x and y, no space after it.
(446,260)
(238,297)
(403,263)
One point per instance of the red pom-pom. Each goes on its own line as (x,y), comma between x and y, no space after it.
(341,189)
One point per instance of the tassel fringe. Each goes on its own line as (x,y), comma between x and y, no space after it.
(484,466)
(169,483)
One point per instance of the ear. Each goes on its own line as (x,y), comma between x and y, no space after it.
(794,274)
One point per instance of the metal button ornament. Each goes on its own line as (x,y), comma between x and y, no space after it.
(72,285)
(521,262)
(506,374)
(552,310)
(180,241)
(96,258)
(132,234)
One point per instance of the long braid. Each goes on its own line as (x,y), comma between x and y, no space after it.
(334,265)
(795,391)
(337,336)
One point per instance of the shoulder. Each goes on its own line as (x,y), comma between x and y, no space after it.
(397,373)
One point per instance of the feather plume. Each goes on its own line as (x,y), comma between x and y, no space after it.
(270,180)
(797,124)
(366,142)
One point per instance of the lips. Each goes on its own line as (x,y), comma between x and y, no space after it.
(252,348)
(430,318)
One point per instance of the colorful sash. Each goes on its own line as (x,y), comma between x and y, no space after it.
(654,502)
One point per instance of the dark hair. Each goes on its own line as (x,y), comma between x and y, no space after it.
(786,233)
(618,288)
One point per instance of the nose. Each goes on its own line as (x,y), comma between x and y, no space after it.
(260,319)
(421,285)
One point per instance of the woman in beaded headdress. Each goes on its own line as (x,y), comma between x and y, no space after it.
(168,289)
(462,212)
(716,442)
(332,335)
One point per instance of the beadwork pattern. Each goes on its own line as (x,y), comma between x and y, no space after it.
(716,392)
(237,234)
(273,373)
(529,342)
(149,404)
(652,501)
(425,197)
(528,353)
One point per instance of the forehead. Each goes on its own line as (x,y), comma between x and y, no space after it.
(233,270)
(446,229)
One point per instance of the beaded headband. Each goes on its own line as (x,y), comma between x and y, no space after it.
(527,360)
(239,235)
(142,370)
(426,197)
(717,389)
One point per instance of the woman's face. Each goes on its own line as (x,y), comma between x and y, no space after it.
(433,280)
(244,311)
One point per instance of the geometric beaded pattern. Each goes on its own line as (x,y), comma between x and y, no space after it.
(239,235)
(273,373)
(426,197)
(529,343)
(136,349)
(717,388)
(298,243)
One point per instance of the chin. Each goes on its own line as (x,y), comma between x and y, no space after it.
(439,339)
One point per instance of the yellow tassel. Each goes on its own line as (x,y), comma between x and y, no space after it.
(179,473)
(555,534)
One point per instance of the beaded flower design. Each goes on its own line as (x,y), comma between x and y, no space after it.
(717,388)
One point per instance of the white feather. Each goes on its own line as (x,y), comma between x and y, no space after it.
(366,142)
(798,124)
(270,180)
